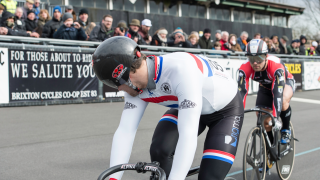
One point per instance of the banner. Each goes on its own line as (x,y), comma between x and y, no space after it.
(46,75)
(4,76)
(311,74)
(295,68)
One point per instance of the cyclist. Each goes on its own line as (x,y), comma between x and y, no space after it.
(276,85)
(198,92)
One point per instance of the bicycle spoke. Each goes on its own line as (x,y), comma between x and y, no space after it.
(258,173)
(252,174)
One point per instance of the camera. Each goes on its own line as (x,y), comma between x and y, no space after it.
(121,29)
(72,25)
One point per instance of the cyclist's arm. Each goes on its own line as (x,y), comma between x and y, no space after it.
(243,81)
(277,91)
(189,93)
(124,136)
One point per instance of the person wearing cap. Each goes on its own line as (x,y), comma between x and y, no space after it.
(69,29)
(121,29)
(144,30)
(31,23)
(51,26)
(242,40)
(69,9)
(7,21)
(36,8)
(160,38)
(283,45)
(178,39)
(312,50)
(103,31)
(83,18)
(133,32)
(9,5)
(205,42)
(28,6)
(218,35)
(292,48)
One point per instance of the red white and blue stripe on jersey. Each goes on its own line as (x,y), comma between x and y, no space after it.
(158,68)
(170,118)
(168,101)
(203,65)
(219,155)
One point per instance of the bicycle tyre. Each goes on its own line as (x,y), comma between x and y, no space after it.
(252,137)
(285,164)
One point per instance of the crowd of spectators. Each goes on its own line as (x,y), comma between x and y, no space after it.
(32,21)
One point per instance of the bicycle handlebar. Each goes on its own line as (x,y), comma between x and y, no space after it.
(263,111)
(139,167)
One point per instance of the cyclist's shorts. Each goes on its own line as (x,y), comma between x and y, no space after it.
(265,97)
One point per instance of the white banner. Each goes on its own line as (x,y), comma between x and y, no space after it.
(4,76)
(311,75)
(232,66)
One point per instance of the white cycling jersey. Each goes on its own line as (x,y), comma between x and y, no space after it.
(191,83)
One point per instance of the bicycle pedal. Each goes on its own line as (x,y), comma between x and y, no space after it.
(295,139)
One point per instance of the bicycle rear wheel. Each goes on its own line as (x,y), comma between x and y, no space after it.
(285,164)
(254,157)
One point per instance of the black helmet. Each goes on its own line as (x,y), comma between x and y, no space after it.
(112,60)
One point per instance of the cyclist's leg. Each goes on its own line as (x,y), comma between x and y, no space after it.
(286,110)
(165,139)
(221,141)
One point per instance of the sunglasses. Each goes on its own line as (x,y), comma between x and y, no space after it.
(256,59)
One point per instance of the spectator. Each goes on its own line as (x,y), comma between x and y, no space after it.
(89,29)
(218,36)
(257,36)
(9,5)
(51,26)
(7,21)
(28,6)
(271,47)
(144,31)
(103,31)
(302,48)
(178,39)
(205,42)
(283,45)
(195,33)
(1,10)
(3,31)
(19,22)
(121,29)
(318,49)
(69,9)
(44,17)
(275,43)
(133,32)
(194,42)
(83,18)
(233,45)
(266,38)
(160,38)
(217,46)
(31,23)
(242,40)
(297,48)
(224,41)
(312,50)
(36,8)
(68,31)
(292,48)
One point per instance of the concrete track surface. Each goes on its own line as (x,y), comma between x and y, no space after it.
(73,142)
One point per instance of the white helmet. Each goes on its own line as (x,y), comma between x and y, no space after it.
(256,47)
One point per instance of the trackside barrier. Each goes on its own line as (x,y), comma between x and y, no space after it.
(38,74)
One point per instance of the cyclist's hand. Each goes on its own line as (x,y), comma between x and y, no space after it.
(278,125)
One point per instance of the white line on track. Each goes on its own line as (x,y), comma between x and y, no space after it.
(302,100)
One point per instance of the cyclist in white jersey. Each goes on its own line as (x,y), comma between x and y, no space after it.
(198,92)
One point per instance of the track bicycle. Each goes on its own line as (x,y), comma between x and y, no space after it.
(260,155)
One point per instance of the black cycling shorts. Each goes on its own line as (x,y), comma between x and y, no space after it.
(265,97)
(220,145)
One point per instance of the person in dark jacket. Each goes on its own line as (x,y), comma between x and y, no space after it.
(21,25)
(160,38)
(292,48)
(28,6)
(68,31)
(103,31)
(179,39)
(83,18)
(194,41)
(51,26)
(144,31)
(134,34)
(205,42)
(7,21)
(242,40)
(302,48)
(31,23)
(44,17)
(283,45)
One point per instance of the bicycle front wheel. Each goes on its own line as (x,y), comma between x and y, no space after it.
(254,157)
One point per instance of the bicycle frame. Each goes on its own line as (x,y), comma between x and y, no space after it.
(274,148)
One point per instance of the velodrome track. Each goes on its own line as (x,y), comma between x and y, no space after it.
(72,142)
